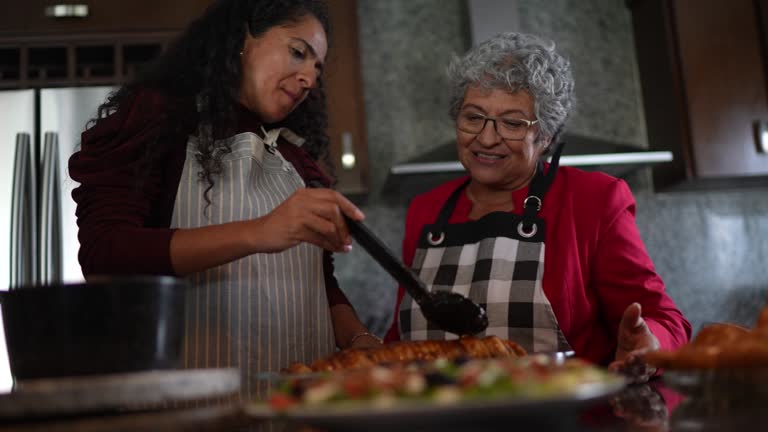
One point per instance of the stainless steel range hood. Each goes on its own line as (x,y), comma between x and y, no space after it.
(426,171)
(486,18)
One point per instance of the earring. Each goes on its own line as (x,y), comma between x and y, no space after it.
(241,53)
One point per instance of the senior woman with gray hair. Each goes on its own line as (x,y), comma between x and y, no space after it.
(593,289)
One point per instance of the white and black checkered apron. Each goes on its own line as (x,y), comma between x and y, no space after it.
(498,262)
(265,311)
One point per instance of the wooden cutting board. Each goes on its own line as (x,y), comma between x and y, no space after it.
(137,391)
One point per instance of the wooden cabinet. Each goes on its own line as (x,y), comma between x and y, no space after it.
(703,72)
(118,37)
(344,88)
(77,60)
(38,17)
(86,42)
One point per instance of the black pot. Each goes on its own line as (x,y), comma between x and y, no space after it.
(108,325)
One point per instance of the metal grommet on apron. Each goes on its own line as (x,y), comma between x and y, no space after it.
(265,311)
(498,262)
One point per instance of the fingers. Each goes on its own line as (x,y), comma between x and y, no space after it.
(328,221)
(321,212)
(333,205)
(615,366)
(309,215)
(323,233)
(313,215)
(631,319)
(633,367)
(351,211)
(633,333)
(339,200)
(348,208)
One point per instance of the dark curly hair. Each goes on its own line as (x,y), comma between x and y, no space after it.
(201,71)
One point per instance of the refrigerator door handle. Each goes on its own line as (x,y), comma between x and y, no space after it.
(23,215)
(50,212)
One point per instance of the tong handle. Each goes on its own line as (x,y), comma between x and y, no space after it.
(383,255)
(386,259)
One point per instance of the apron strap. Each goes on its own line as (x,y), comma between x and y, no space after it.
(436,237)
(531,205)
(450,204)
(539,187)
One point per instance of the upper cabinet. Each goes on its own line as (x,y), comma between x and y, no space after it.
(344,88)
(41,17)
(105,42)
(88,42)
(703,72)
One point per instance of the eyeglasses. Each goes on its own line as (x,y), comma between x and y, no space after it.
(507,128)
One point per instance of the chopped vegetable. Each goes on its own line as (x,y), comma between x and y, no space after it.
(440,381)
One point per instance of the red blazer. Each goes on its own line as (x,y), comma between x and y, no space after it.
(595,263)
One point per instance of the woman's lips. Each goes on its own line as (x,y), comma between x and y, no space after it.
(487,158)
(296,97)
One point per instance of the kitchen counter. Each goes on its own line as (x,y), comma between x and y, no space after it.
(649,407)
(224,417)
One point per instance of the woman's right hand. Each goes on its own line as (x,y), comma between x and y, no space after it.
(309,215)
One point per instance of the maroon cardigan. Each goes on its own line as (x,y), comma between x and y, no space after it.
(124,226)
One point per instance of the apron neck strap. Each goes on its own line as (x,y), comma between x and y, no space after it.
(541,183)
(539,186)
(447,210)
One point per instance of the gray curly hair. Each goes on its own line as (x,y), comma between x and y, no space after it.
(513,61)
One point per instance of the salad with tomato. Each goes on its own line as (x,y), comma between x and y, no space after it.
(440,382)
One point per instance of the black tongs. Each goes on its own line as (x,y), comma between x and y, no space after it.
(449,311)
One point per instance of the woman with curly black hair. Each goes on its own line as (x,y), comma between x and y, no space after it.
(198,168)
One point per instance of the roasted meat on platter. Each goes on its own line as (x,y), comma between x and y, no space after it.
(407,351)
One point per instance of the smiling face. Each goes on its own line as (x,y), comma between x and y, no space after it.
(495,163)
(281,66)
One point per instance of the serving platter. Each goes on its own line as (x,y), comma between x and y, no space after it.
(450,414)
(362,416)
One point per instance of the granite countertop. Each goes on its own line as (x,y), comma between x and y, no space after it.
(224,417)
(647,407)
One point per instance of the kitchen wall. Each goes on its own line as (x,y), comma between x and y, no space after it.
(708,246)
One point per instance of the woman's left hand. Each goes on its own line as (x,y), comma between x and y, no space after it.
(635,339)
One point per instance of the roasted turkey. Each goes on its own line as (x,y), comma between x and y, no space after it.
(719,345)
(405,351)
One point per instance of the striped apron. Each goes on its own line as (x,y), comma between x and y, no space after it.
(265,311)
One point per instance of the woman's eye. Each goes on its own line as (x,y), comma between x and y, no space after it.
(513,124)
(473,117)
(297,53)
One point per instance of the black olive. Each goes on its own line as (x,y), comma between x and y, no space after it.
(298,388)
(460,360)
(436,379)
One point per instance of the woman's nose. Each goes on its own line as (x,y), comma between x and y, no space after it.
(488,135)
(308,77)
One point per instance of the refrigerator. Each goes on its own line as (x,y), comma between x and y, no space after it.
(39,131)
